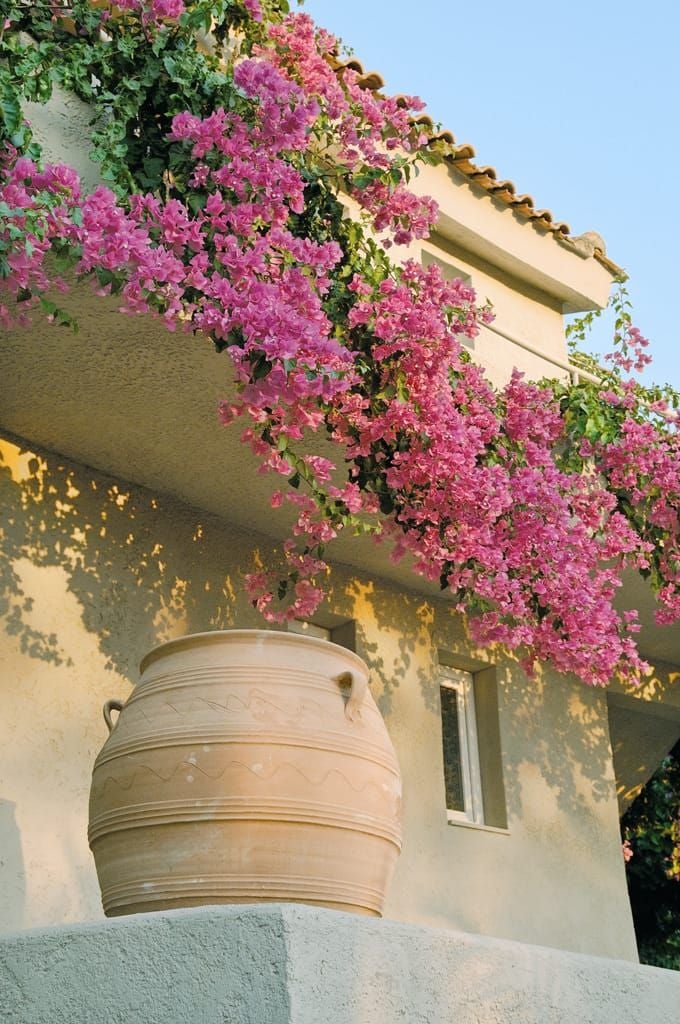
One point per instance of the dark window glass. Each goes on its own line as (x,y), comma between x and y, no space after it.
(453,771)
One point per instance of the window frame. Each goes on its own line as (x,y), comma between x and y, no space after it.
(333,629)
(305,627)
(462,682)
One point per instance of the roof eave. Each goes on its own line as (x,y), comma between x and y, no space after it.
(573,272)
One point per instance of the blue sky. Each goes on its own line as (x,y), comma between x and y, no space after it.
(577,104)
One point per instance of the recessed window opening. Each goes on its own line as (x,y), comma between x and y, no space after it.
(341,633)
(309,629)
(462,777)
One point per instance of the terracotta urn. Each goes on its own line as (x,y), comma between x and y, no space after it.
(246,766)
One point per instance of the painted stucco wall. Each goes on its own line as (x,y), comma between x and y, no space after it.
(519,269)
(521,311)
(94,572)
(298,965)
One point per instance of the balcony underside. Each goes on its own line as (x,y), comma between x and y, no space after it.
(127,397)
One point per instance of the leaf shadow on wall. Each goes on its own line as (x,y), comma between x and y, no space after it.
(560,745)
(554,770)
(391,636)
(145,568)
(142,568)
(552,726)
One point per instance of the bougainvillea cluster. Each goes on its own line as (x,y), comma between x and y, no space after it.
(268,231)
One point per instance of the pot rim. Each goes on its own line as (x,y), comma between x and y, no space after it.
(221,636)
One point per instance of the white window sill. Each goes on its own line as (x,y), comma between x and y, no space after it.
(460,822)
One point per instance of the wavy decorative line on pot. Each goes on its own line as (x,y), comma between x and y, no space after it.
(257,701)
(241,758)
(256,770)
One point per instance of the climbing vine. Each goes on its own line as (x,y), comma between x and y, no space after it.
(253,190)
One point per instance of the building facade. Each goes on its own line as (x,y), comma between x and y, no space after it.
(129,516)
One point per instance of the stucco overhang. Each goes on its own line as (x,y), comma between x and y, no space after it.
(509,238)
(472,219)
(127,397)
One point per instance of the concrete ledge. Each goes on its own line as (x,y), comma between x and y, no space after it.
(275,964)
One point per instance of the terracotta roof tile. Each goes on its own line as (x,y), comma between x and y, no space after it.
(461,156)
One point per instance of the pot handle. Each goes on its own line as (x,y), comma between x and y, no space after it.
(109,706)
(359,686)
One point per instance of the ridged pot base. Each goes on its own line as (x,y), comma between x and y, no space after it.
(247,766)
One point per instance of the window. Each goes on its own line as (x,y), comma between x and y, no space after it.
(471,745)
(309,629)
(340,632)
(461,755)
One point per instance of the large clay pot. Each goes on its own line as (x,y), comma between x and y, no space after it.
(246,766)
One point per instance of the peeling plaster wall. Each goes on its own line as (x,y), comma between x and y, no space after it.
(94,572)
